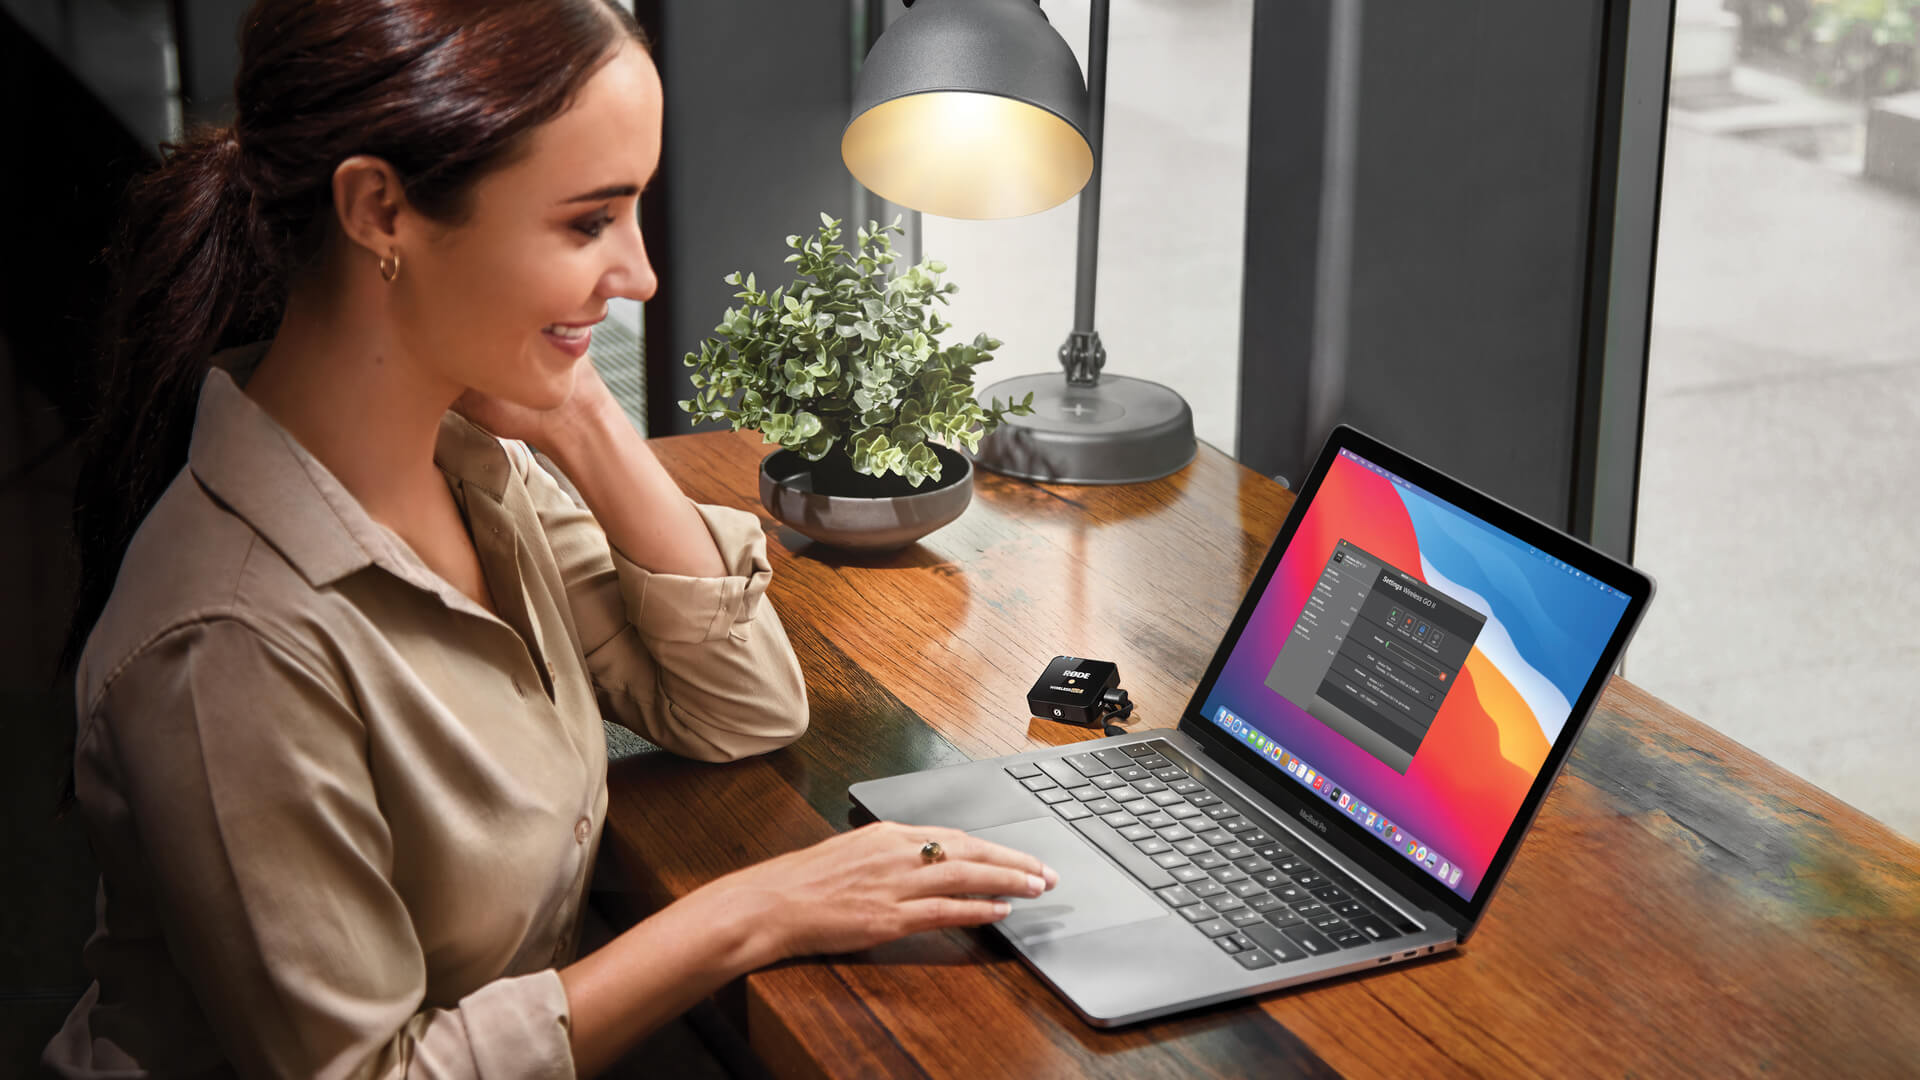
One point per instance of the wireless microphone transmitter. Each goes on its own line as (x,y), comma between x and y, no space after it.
(1076,690)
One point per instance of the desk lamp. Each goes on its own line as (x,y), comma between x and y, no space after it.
(975,109)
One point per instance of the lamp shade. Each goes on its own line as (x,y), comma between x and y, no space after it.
(970,109)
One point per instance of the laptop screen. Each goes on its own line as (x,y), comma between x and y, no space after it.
(1412,665)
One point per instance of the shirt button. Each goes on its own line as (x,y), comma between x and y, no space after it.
(550,670)
(582,829)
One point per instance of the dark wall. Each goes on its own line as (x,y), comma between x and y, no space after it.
(1470,236)
(1459,322)
(1286,162)
(757,93)
(61,216)
(209,56)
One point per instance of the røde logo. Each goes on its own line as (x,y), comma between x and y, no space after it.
(1075,675)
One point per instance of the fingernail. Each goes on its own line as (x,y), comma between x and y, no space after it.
(1052,878)
(1000,909)
(1035,885)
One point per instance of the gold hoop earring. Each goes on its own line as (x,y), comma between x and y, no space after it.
(390,266)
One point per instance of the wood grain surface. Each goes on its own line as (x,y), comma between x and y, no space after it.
(1682,908)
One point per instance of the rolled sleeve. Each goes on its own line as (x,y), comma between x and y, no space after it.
(520,1026)
(699,665)
(245,772)
(677,608)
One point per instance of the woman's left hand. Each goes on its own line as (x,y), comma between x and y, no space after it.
(541,427)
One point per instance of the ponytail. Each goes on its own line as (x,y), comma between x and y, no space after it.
(181,290)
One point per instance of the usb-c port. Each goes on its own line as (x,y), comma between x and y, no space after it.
(1411,955)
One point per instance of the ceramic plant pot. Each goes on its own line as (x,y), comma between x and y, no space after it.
(828,502)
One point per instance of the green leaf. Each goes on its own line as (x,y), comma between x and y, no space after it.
(817,447)
(922,464)
(848,354)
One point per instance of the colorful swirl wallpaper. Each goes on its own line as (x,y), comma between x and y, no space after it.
(1545,631)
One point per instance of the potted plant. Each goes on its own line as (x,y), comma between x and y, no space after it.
(843,368)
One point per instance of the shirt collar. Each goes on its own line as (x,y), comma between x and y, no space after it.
(253,465)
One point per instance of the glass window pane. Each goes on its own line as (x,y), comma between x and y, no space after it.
(1783,403)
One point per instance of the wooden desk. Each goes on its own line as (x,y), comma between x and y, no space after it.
(1683,907)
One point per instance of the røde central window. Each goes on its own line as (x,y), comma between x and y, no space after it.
(1374,653)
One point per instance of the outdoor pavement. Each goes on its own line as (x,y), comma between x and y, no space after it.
(1782,443)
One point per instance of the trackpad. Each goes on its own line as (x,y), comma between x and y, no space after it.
(1093,894)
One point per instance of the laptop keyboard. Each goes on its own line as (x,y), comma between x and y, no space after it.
(1259,900)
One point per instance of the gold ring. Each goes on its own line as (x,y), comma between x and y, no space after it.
(932,852)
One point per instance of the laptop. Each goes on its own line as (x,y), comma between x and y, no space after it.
(1367,748)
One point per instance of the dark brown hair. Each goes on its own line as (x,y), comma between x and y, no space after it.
(445,91)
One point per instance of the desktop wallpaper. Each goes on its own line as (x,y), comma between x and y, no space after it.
(1545,630)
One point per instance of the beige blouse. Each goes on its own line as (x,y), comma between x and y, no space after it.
(344,816)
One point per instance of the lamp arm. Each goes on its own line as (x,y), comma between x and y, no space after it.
(1083,356)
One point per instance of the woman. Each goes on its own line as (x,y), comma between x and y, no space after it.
(339,752)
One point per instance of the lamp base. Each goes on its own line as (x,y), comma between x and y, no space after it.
(1120,431)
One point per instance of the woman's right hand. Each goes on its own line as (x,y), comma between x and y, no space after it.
(871,885)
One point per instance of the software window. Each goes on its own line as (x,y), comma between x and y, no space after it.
(1374,653)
